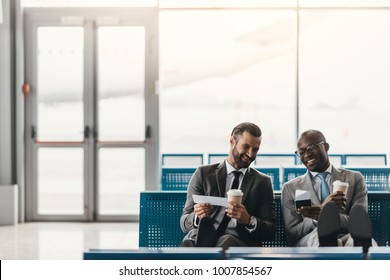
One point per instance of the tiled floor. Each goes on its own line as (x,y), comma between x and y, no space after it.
(64,241)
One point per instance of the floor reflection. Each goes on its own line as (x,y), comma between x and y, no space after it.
(64,241)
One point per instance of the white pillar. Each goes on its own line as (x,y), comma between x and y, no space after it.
(8,205)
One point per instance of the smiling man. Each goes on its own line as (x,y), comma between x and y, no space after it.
(334,218)
(239,224)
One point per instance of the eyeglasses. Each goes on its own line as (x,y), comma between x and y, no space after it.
(309,148)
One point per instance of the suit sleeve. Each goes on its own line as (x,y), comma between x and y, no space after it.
(359,195)
(295,225)
(265,216)
(260,204)
(194,187)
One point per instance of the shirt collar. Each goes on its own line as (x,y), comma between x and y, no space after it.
(230,168)
(314,174)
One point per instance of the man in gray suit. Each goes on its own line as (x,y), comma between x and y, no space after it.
(333,216)
(245,224)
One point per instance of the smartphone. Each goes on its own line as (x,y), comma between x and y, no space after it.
(300,203)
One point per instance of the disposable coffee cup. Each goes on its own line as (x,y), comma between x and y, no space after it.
(340,186)
(235,196)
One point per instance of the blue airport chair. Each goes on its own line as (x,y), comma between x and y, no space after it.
(261,159)
(276,160)
(176,178)
(290,173)
(295,253)
(160,213)
(159,221)
(365,159)
(378,253)
(280,238)
(379,213)
(216,158)
(337,159)
(181,160)
(377,178)
(179,253)
(273,172)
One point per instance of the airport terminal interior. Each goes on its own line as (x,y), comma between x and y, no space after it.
(102,103)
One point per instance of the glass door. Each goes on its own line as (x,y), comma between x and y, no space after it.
(122,129)
(91,112)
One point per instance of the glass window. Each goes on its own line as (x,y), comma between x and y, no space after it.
(121,83)
(222,67)
(121,179)
(89,3)
(344,81)
(160,3)
(60,181)
(344,3)
(60,85)
(227,3)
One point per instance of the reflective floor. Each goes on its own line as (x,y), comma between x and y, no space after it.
(64,241)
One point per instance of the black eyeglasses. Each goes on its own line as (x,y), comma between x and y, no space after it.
(309,148)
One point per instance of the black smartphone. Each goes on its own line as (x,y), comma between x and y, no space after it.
(300,203)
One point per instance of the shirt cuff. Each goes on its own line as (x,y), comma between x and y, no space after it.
(252,225)
(196,221)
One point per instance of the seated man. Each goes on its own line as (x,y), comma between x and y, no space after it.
(333,218)
(245,224)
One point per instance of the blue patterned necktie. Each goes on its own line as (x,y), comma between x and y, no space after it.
(324,186)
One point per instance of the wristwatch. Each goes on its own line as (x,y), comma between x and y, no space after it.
(252,223)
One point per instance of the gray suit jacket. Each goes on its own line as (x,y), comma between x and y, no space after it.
(296,226)
(258,200)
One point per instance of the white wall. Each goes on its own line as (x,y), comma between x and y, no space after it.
(6,73)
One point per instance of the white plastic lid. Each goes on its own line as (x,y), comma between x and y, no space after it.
(235,192)
(339,183)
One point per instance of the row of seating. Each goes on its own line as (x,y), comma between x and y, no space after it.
(177,178)
(241,253)
(273,159)
(160,213)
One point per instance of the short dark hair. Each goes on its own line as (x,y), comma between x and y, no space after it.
(319,135)
(253,129)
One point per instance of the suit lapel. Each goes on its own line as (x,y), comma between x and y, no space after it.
(307,185)
(221,174)
(338,175)
(247,183)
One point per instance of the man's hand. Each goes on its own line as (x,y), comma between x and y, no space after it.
(203,210)
(338,198)
(238,211)
(314,211)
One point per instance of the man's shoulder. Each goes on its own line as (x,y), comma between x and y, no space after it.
(294,181)
(209,167)
(257,173)
(348,171)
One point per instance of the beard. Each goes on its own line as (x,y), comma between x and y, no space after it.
(239,158)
